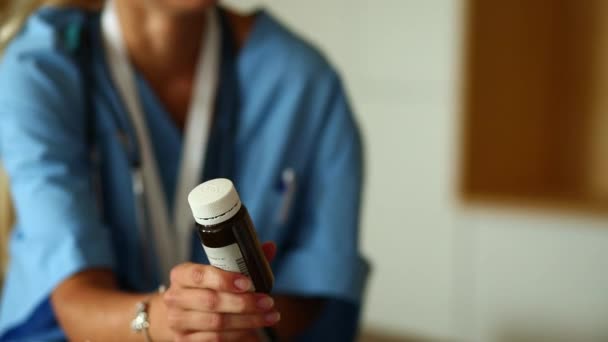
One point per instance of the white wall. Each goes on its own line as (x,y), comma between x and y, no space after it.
(537,277)
(441,270)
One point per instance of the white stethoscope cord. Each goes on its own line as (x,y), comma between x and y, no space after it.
(171,230)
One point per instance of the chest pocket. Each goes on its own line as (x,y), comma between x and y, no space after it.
(279,211)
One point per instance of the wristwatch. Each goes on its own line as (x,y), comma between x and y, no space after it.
(140,323)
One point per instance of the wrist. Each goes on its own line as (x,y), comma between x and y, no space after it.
(157,314)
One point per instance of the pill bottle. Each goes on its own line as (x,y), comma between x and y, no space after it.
(227,233)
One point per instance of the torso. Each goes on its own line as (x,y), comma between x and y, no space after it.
(279,90)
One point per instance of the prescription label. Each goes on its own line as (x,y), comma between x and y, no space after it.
(227,258)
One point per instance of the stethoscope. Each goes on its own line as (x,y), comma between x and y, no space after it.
(171,230)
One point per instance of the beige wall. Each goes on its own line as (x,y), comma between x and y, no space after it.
(533,277)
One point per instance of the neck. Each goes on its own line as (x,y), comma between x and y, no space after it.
(164,47)
(160,44)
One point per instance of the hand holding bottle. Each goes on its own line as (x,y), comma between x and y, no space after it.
(205,303)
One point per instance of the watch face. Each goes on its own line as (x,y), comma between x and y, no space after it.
(140,322)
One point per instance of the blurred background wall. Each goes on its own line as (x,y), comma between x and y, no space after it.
(449,265)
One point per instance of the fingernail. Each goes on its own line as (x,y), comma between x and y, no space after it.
(243,284)
(265,303)
(272,317)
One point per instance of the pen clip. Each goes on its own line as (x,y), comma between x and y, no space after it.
(288,188)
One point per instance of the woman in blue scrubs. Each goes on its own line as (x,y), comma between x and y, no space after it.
(281,129)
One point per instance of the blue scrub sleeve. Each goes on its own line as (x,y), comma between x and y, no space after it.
(43,146)
(325,260)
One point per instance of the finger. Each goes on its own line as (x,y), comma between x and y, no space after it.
(270,250)
(215,301)
(185,321)
(209,277)
(245,336)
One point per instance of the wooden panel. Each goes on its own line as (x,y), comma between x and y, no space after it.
(598,139)
(530,99)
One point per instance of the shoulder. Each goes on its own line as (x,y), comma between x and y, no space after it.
(49,29)
(273,44)
(38,71)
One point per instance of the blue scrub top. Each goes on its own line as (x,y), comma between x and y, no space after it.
(67,145)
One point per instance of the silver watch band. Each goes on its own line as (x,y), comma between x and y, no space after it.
(141,322)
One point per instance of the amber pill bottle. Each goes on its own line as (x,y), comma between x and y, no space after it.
(227,233)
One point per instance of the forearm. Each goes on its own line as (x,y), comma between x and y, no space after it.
(297,315)
(90,307)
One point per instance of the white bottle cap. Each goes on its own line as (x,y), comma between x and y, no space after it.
(214,202)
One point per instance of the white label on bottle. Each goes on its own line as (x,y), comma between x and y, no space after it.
(227,258)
